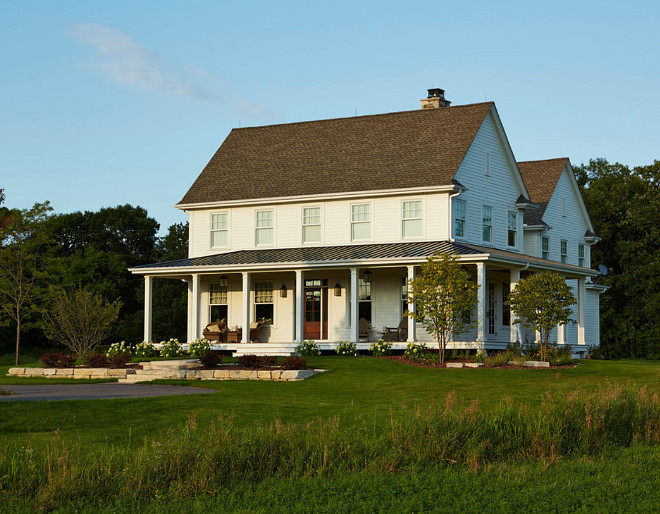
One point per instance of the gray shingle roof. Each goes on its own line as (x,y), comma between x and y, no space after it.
(398,150)
(540,178)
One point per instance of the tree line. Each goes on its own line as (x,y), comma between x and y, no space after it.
(94,249)
(42,253)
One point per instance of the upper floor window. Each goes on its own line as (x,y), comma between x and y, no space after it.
(459,218)
(311,224)
(581,260)
(563,251)
(360,222)
(545,247)
(264,228)
(487,224)
(512,225)
(219,230)
(563,206)
(412,218)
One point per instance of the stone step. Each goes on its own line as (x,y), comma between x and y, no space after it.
(173,364)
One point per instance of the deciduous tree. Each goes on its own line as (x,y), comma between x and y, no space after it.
(444,295)
(542,301)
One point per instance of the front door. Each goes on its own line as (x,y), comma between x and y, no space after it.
(316,310)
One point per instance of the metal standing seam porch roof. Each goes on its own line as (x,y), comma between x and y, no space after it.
(320,255)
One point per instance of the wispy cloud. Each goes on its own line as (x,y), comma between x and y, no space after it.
(128,62)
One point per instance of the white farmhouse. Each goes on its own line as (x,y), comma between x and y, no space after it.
(313,229)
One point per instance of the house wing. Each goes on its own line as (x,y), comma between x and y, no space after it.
(412,149)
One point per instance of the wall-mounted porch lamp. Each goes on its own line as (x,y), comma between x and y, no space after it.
(283,291)
(223,281)
(366,276)
(337,289)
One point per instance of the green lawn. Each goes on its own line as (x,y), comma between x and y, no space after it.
(352,389)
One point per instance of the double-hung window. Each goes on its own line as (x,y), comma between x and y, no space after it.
(581,260)
(218,302)
(459,218)
(360,222)
(263,302)
(564,251)
(264,228)
(487,224)
(219,230)
(545,247)
(512,226)
(412,219)
(311,225)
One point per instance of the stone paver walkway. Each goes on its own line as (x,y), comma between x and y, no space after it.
(94,391)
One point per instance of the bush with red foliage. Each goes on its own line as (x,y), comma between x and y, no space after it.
(210,359)
(96,360)
(119,360)
(58,360)
(294,362)
(268,361)
(248,361)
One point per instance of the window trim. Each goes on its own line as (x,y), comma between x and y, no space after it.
(272,227)
(508,229)
(484,225)
(421,218)
(563,251)
(303,225)
(211,230)
(455,217)
(369,222)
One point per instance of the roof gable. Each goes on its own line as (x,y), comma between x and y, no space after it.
(422,148)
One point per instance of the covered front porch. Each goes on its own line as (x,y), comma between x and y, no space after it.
(353,293)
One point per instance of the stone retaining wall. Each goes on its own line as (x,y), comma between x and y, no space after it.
(71,372)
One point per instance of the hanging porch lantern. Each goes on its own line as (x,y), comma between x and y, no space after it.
(283,291)
(224,281)
(366,276)
(337,289)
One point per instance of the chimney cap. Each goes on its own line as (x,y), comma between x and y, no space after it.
(436,92)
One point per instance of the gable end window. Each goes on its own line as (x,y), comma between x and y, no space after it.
(459,217)
(219,230)
(311,225)
(360,222)
(581,261)
(487,164)
(412,219)
(512,225)
(264,228)
(564,251)
(487,224)
(545,247)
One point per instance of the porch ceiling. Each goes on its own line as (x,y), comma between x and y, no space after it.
(363,254)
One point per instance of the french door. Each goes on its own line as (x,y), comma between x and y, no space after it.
(316,309)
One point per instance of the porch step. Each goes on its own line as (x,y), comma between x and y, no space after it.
(276,349)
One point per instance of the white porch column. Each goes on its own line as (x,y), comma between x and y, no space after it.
(481,302)
(355,323)
(246,308)
(412,323)
(581,297)
(300,304)
(515,329)
(148,288)
(196,292)
(189,337)
(561,334)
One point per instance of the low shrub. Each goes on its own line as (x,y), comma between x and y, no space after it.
(595,352)
(248,361)
(199,347)
(415,351)
(268,361)
(145,349)
(480,357)
(380,348)
(119,348)
(294,362)
(171,348)
(308,349)
(498,359)
(119,360)
(345,348)
(96,360)
(210,359)
(560,355)
(58,360)
(517,349)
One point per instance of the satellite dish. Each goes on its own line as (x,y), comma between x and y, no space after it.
(602,269)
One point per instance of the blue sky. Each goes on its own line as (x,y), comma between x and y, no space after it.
(107,103)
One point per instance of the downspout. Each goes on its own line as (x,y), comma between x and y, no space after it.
(451,197)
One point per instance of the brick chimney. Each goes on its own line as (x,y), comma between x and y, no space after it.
(435,99)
